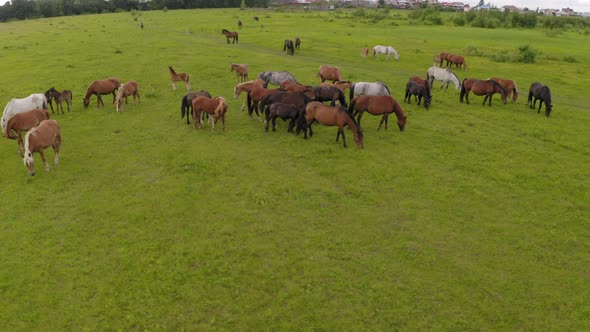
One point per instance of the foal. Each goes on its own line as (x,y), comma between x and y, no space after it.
(241,71)
(174,77)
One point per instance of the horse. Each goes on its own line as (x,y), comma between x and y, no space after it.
(377,105)
(256,95)
(331,116)
(247,86)
(298,99)
(329,93)
(101,87)
(342,85)
(444,75)
(229,34)
(540,92)
(59,97)
(444,56)
(217,107)
(508,85)
(240,24)
(186,103)
(378,49)
(419,90)
(480,88)
(329,73)
(296,87)
(364,52)
(24,121)
(128,89)
(457,60)
(283,111)
(39,138)
(369,88)
(276,77)
(19,105)
(437,61)
(255,18)
(174,77)
(288,46)
(297,43)
(241,71)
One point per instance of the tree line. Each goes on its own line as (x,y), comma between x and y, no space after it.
(27,9)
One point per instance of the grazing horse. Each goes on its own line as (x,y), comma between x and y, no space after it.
(457,60)
(437,61)
(419,90)
(101,87)
(378,49)
(296,87)
(256,95)
(19,105)
(187,101)
(241,71)
(255,18)
(298,99)
(329,93)
(283,111)
(217,107)
(128,89)
(276,77)
(59,97)
(342,85)
(46,134)
(364,52)
(288,46)
(508,85)
(444,56)
(377,105)
(229,34)
(480,88)
(332,116)
(369,88)
(329,73)
(297,43)
(247,86)
(24,121)
(180,77)
(240,24)
(443,75)
(542,93)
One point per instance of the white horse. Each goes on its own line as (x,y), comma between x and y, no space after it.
(369,88)
(16,105)
(445,75)
(378,49)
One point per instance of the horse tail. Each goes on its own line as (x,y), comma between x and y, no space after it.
(351,92)
(28,155)
(183,107)
(352,105)
(386,88)
(462,90)
(9,133)
(44,102)
(341,98)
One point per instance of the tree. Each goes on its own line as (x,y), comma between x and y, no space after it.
(243,5)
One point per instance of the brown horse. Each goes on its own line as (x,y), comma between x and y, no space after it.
(59,97)
(241,71)
(46,134)
(180,77)
(378,105)
(329,73)
(24,121)
(342,85)
(509,86)
(247,86)
(297,43)
(480,88)
(240,24)
(187,102)
(128,89)
(256,95)
(229,34)
(101,87)
(217,107)
(296,87)
(437,61)
(458,61)
(332,116)
(329,93)
(364,52)
(443,56)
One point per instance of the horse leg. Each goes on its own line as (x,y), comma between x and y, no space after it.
(467,97)
(173,85)
(42,153)
(485,99)
(419,99)
(540,103)
(341,131)
(99,101)
(274,123)
(21,146)
(213,123)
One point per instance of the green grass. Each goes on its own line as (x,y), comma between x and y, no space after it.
(473,218)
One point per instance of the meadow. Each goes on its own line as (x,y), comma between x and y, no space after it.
(473,218)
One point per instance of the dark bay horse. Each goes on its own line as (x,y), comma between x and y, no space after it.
(276,77)
(60,97)
(285,112)
(540,92)
(297,43)
(229,34)
(332,116)
(508,85)
(22,122)
(186,106)
(288,46)
(179,77)
(421,91)
(378,105)
(239,24)
(101,87)
(329,73)
(298,99)
(480,88)
(329,93)
(217,107)
(46,134)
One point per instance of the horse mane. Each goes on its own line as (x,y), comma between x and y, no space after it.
(498,84)
(28,158)
(171,70)
(221,105)
(358,128)
(515,87)
(547,97)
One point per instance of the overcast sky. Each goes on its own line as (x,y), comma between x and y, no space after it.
(577,5)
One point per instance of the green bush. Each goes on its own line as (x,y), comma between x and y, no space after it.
(526,54)
(570,59)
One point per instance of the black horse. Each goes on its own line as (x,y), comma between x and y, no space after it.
(186,105)
(297,43)
(421,91)
(288,46)
(329,93)
(297,99)
(283,111)
(542,93)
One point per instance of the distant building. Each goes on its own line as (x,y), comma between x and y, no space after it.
(511,8)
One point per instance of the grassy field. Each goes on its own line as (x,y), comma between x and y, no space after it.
(473,218)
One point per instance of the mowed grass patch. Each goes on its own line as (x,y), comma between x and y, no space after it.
(474,217)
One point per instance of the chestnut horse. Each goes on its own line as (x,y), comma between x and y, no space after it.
(46,134)
(241,71)
(342,85)
(480,88)
(364,52)
(256,95)
(217,107)
(329,73)
(101,87)
(540,92)
(378,105)
(228,34)
(332,116)
(296,87)
(59,97)
(174,77)
(247,86)
(127,89)
(508,85)
(24,121)
(457,60)
(187,102)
